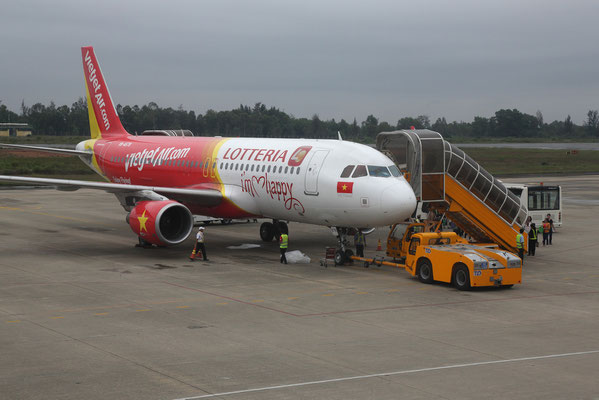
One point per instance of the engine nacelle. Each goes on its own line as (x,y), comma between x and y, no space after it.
(164,223)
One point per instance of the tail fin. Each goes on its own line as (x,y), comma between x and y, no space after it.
(104,122)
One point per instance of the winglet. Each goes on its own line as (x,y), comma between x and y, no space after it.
(339,135)
(103,118)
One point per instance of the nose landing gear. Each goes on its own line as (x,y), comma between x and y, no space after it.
(343,253)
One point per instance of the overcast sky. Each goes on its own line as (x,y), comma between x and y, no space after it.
(338,59)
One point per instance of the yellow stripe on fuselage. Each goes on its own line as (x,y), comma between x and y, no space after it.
(215,159)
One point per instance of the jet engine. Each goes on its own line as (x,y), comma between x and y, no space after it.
(164,222)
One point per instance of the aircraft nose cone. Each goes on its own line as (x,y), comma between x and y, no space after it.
(398,202)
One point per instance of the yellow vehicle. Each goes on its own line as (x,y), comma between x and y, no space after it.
(447,257)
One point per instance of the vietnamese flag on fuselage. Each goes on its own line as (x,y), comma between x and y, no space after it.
(345,187)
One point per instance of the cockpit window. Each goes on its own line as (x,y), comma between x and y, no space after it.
(394,171)
(381,172)
(347,171)
(360,171)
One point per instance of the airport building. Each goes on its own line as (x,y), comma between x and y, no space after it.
(14,129)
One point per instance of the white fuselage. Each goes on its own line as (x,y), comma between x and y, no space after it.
(261,177)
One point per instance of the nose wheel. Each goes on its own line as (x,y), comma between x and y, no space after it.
(343,253)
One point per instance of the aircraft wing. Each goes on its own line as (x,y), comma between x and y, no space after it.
(205,197)
(47,149)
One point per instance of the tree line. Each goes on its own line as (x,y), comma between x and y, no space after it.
(263,121)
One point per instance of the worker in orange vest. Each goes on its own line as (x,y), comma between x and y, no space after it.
(546,230)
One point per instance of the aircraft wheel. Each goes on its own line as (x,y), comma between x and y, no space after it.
(425,271)
(283,228)
(461,278)
(226,221)
(267,231)
(339,257)
(348,254)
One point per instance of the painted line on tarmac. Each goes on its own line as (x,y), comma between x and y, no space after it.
(402,372)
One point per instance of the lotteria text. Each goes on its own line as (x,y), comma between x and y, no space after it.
(255,155)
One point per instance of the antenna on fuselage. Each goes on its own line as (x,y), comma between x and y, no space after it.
(339,135)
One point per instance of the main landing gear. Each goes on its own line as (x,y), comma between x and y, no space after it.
(270,230)
(343,253)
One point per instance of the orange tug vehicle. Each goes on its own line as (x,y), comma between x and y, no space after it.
(447,257)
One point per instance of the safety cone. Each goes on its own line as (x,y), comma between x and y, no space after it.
(379,247)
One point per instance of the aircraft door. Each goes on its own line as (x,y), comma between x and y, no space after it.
(312,172)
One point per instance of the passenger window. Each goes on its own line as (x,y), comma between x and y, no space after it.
(253,167)
(360,171)
(280,169)
(298,169)
(286,169)
(347,171)
(268,169)
(414,245)
(263,168)
(291,170)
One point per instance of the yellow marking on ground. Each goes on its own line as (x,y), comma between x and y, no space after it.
(182,306)
(392,290)
(425,288)
(292,298)
(143,310)
(257,301)
(361,292)
(222,304)
(328,295)
(101,313)
(58,317)
(14,321)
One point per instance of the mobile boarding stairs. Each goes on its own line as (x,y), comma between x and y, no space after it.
(454,184)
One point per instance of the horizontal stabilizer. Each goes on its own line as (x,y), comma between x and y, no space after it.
(47,149)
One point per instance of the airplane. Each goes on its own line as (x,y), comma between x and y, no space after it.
(161,181)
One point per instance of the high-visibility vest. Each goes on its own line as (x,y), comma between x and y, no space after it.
(532,235)
(520,241)
(284,241)
(359,239)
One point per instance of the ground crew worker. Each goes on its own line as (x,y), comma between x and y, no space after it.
(520,244)
(199,246)
(546,230)
(551,228)
(360,242)
(283,244)
(532,239)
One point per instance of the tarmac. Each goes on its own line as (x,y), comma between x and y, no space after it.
(84,314)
